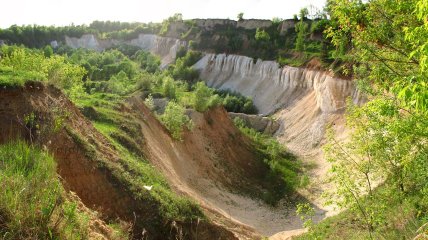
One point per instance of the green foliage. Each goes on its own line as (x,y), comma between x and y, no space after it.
(31,197)
(183,70)
(147,61)
(240,16)
(48,51)
(282,176)
(401,224)
(277,20)
(235,102)
(19,65)
(165,23)
(169,88)
(126,49)
(306,212)
(385,159)
(262,35)
(120,84)
(40,36)
(146,81)
(175,119)
(149,102)
(303,14)
(302,33)
(204,97)
(386,146)
(102,66)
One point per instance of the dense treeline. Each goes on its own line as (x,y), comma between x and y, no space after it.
(294,47)
(36,36)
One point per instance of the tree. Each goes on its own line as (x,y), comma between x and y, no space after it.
(262,35)
(48,51)
(204,97)
(303,14)
(302,33)
(240,16)
(174,119)
(169,88)
(385,160)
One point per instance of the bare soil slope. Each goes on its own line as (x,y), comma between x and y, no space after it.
(213,164)
(87,163)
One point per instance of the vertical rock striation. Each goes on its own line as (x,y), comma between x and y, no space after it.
(272,87)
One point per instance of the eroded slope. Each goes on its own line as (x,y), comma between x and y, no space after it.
(88,164)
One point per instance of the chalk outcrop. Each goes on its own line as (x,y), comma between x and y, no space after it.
(272,87)
(164,47)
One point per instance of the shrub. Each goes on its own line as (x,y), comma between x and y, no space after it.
(146,81)
(204,98)
(120,84)
(150,102)
(183,70)
(19,65)
(147,61)
(169,88)
(235,102)
(174,119)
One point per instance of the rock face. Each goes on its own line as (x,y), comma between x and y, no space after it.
(164,47)
(287,25)
(272,87)
(259,123)
(89,41)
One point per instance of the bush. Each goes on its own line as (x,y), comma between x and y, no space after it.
(174,119)
(169,88)
(147,61)
(19,65)
(145,81)
(204,98)
(120,84)
(235,102)
(183,70)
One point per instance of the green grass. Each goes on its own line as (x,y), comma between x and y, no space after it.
(16,78)
(32,203)
(283,175)
(125,136)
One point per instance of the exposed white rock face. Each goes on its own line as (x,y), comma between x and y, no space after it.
(164,47)
(272,87)
(304,102)
(89,41)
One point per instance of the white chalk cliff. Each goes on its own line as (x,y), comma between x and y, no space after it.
(304,101)
(272,87)
(164,47)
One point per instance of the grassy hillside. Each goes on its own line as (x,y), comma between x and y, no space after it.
(33,202)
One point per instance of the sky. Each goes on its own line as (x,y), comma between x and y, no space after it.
(65,12)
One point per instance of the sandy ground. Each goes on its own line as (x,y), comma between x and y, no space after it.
(187,164)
